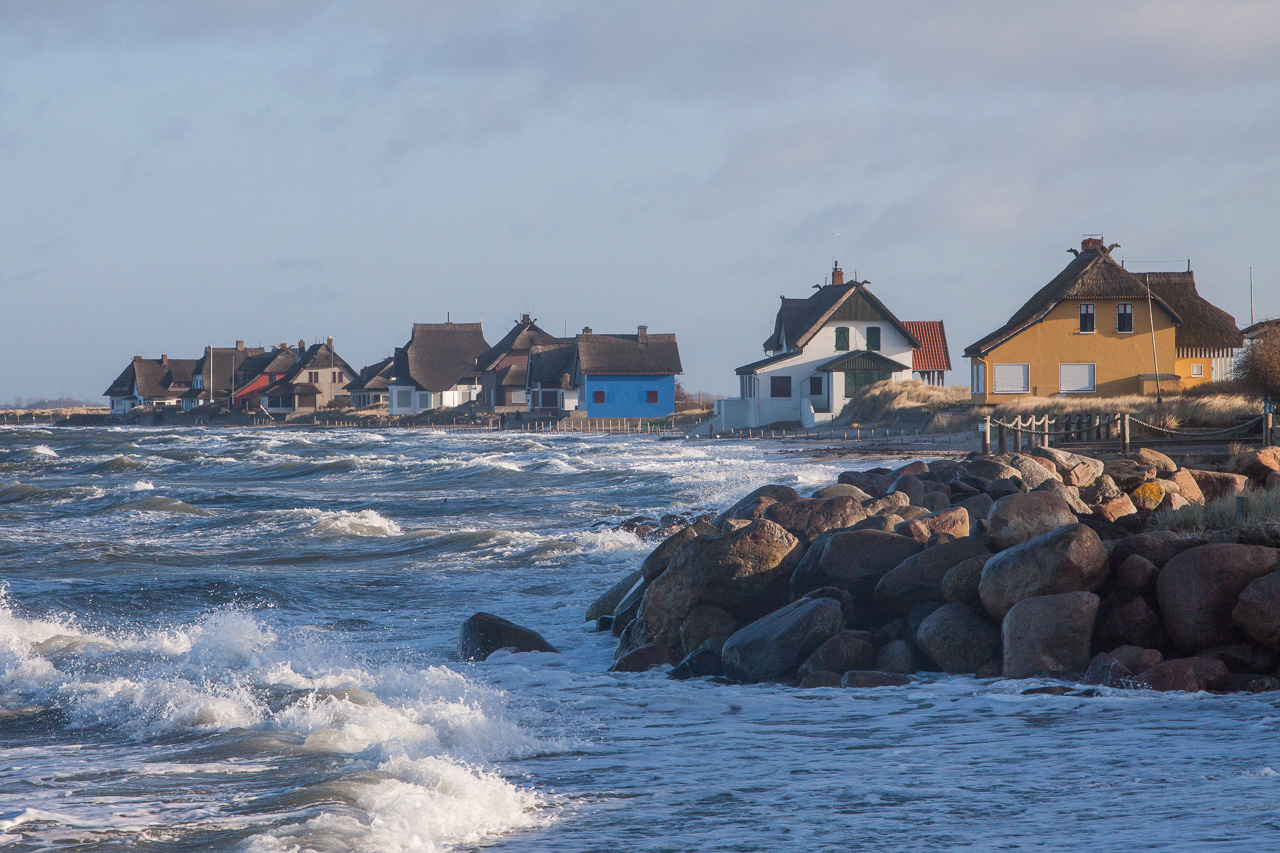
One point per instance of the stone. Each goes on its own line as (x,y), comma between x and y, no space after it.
(635,635)
(1137,660)
(938,539)
(1069,559)
(872,678)
(1148,496)
(605,604)
(1187,486)
(1168,485)
(1245,683)
(1105,671)
(911,487)
(960,583)
(855,560)
(1070,495)
(745,507)
(775,645)
(952,521)
(842,490)
(1102,490)
(914,468)
(894,629)
(1272,483)
(843,652)
(1154,459)
(1257,610)
(1128,474)
(745,573)
(1108,531)
(906,513)
(1256,660)
(1189,675)
(656,563)
(1173,502)
(628,607)
(1261,533)
(643,659)
(821,679)
(1017,518)
(1069,465)
(806,518)
(604,623)
(977,506)
(1005,486)
(704,622)
(936,502)
(891,502)
(1218,484)
(1128,619)
(959,638)
(918,578)
(898,656)
(1159,547)
(1116,508)
(853,613)
(1048,634)
(873,484)
(991,468)
(883,523)
(1033,473)
(700,663)
(1199,588)
(1256,464)
(483,634)
(1137,574)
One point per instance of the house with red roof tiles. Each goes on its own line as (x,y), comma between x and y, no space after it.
(931,362)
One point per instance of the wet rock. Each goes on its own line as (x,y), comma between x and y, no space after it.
(483,634)
(853,613)
(1049,634)
(656,563)
(958,638)
(1137,574)
(821,679)
(843,490)
(873,484)
(704,622)
(749,507)
(954,522)
(1069,559)
(700,663)
(960,583)
(898,656)
(628,607)
(843,652)
(1155,459)
(1245,658)
(775,645)
(607,603)
(1137,660)
(856,560)
(744,573)
(1187,486)
(911,487)
(604,623)
(1188,675)
(1257,610)
(1128,619)
(1240,682)
(872,678)
(806,518)
(1047,690)
(1017,518)
(645,658)
(1218,484)
(1106,671)
(918,578)
(1199,588)
(635,635)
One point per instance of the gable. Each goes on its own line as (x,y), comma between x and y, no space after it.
(858,308)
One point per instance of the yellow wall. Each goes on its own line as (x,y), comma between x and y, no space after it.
(1117,358)
(1182,367)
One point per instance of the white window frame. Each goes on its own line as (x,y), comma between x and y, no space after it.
(1197,371)
(1092,388)
(1092,313)
(1120,305)
(978,377)
(996,379)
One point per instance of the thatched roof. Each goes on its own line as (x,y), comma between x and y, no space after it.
(278,360)
(799,320)
(317,357)
(646,354)
(523,335)
(1092,274)
(438,355)
(373,377)
(1204,325)
(225,362)
(155,377)
(551,365)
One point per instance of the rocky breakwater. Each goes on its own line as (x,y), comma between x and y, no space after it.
(1019,565)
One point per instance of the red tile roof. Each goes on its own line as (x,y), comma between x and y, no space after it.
(933,355)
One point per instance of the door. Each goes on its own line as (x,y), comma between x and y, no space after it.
(856,380)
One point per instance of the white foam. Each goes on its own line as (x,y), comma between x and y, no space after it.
(44,450)
(365,523)
(143,486)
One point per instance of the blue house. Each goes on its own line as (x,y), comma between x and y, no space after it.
(606,376)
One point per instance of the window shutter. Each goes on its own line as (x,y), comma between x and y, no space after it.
(873,338)
(842,337)
(1010,379)
(1075,378)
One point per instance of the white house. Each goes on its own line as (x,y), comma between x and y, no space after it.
(436,368)
(823,350)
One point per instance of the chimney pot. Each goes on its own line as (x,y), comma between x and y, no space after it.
(642,334)
(837,274)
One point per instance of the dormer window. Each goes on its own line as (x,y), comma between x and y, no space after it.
(1086,318)
(842,338)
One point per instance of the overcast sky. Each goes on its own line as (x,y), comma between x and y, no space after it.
(173,174)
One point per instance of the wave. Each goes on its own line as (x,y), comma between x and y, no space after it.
(160,503)
(341,523)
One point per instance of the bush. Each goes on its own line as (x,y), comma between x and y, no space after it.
(1259,367)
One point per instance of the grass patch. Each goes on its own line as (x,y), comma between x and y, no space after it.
(1257,505)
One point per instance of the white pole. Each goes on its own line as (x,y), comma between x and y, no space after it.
(1155,358)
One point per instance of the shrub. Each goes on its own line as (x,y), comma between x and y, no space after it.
(1259,367)
(1258,505)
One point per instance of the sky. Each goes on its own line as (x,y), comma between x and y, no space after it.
(177,174)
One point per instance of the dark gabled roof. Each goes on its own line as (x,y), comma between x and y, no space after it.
(317,357)
(513,375)
(373,377)
(1260,328)
(766,362)
(551,365)
(1092,274)
(656,355)
(799,320)
(438,355)
(860,361)
(278,360)
(1204,325)
(933,353)
(155,377)
(226,361)
(523,335)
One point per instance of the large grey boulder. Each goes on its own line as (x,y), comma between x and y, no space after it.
(1049,634)
(898,656)
(1017,518)
(959,638)
(1257,610)
(1069,559)
(1076,470)
(909,486)
(855,560)
(744,573)
(842,490)
(483,634)
(843,652)
(605,604)
(1070,495)
(873,484)
(656,563)
(1034,474)
(919,578)
(774,646)
(1199,588)
(961,582)
(704,622)
(806,518)
(745,508)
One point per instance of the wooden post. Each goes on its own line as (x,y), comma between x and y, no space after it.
(1002,445)
(1266,429)
(986,436)
(1124,433)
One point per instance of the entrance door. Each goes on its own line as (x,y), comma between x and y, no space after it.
(856,380)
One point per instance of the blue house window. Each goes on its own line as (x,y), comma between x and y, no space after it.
(651,396)
(597,396)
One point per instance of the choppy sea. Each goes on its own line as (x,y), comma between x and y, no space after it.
(246,640)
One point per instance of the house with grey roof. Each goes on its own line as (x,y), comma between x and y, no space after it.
(436,368)
(606,375)
(258,371)
(822,350)
(213,376)
(370,387)
(315,381)
(550,384)
(504,366)
(151,382)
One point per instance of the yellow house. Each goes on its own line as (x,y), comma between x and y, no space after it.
(1099,329)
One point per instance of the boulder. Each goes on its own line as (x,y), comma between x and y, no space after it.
(1100,491)
(843,652)
(1173,502)
(821,679)
(914,468)
(1246,683)
(906,513)
(806,518)
(898,656)
(1128,619)
(605,604)
(1218,484)
(700,663)
(646,657)
(1070,495)
(951,521)
(855,560)
(1257,610)
(1199,588)
(744,573)
(1261,533)
(959,638)
(842,490)
(483,634)
(656,563)
(1116,508)
(891,502)
(961,581)
(1048,634)
(1137,660)
(873,678)
(1188,674)
(1105,671)
(1187,486)
(1155,459)
(775,645)
(628,607)
(1137,574)
(911,487)
(977,506)
(873,484)
(704,622)
(1256,464)
(1068,559)
(883,523)
(853,614)
(744,507)
(936,502)
(1076,470)
(918,578)
(1033,473)
(1159,547)
(1272,483)
(1148,497)
(1020,517)
(991,468)
(1128,474)
(1255,660)
(1006,486)
(635,635)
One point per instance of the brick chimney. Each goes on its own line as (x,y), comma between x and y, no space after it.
(586,330)
(524,318)
(642,334)
(837,274)
(302,347)
(240,345)
(1091,242)
(329,341)
(164,359)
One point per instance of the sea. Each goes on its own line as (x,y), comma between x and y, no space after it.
(246,639)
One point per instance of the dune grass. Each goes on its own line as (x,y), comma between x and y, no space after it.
(1255,505)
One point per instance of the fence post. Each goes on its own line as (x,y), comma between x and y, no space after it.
(1266,428)
(1001,443)
(1124,433)
(986,436)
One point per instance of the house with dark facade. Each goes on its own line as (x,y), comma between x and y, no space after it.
(436,368)
(315,381)
(551,387)
(256,372)
(606,375)
(503,367)
(151,382)
(213,377)
(370,387)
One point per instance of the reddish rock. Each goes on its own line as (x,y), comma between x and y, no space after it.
(1256,464)
(821,679)
(1159,547)
(855,560)
(1137,660)
(1017,518)
(805,518)
(1249,659)
(951,521)
(1154,458)
(1188,675)
(1218,484)
(1116,508)
(1199,588)
(1127,473)
(918,578)
(644,658)
(1137,574)
(1172,502)
(843,652)
(873,678)
(1187,486)
(1128,619)
(1068,559)
(1049,634)
(1257,610)
(872,484)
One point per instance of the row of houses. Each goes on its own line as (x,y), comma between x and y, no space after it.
(1095,328)
(443,365)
